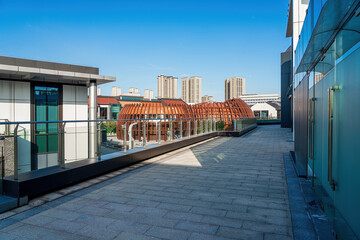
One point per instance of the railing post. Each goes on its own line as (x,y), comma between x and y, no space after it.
(201,126)
(159,131)
(181,130)
(99,141)
(189,128)
(171,130)
(62,150)
(16,173)
(124,137)
(234,125)
(144,134)
(195,129)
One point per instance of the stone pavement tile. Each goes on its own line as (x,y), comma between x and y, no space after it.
(229,207)
(208,211)
(134,236)
(246,216)
(39,220)
(142,202)
(272,236)
(175,207)
(286,221)
(197,227)
(96,221)
(235,233)
(66,226)
(149,211)
(93,210)
(268,212)
(61,214)
(7,236)
(168,233)
(202,236)
(98,232)
(128,226)
(147,219)
(119,207)
(222,221)
(266,227)
(220,199)
(30,231)
(184,216)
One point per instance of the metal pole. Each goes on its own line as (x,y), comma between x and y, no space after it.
(124,137)
(16,174)
(181,130)
(171,130)
(201,126)
(195,129)
(144,134)
(189,128)
(62,159)
(159,131)
(234,125)
(92,116)
(99,140)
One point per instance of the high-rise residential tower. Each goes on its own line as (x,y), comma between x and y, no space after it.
(167,86)
(148,94)
(191,89)
(116,91)
(234,87)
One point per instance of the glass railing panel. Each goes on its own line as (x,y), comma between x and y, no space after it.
(24,148)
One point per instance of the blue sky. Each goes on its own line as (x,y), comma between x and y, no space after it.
(137,40)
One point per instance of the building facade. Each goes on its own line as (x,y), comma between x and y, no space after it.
(268,110)
(45,91)
(148,94)
(167,87)
(133,92)
(191,89)
(326,105)
(234,87)
(207,99)
(252,99)
(108,107)
(115,91)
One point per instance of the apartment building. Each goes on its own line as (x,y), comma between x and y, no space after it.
(234,87)
(191,89)
(167,87)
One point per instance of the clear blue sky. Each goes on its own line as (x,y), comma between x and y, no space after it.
(137,40)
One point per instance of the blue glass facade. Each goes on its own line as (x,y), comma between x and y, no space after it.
(327,60)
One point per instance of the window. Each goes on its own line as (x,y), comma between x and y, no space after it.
(103,113)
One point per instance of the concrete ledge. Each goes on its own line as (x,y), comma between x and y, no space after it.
(38,182)
(268,122)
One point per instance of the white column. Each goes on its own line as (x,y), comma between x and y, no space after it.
(92,116)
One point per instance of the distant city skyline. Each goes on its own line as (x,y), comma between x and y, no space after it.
(216,40)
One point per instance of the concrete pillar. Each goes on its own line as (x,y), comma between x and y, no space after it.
(92,116)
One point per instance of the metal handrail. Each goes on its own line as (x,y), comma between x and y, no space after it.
(114,120)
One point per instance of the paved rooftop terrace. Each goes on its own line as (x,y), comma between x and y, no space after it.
(227,188)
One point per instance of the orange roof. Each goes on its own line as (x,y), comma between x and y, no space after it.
(173,101)
(106,101)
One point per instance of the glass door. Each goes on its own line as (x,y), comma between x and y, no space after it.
(46,108)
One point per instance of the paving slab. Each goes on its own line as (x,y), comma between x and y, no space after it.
(227,188)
